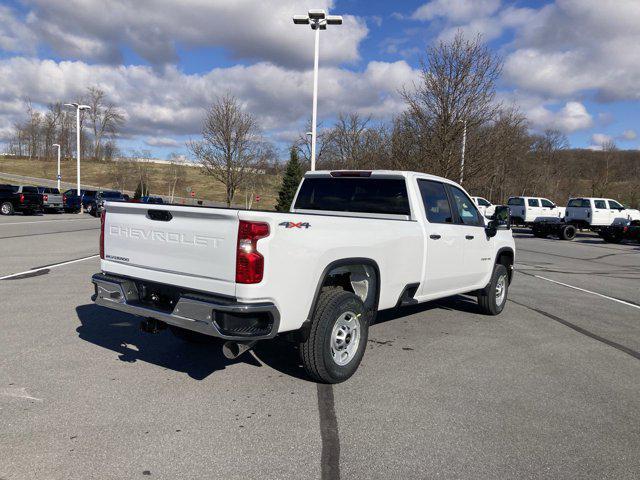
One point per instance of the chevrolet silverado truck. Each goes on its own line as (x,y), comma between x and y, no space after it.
(353,242)
(598,213)
(51,199)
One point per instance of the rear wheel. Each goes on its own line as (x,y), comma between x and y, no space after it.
(337,338)
(6,208)
(493,300)
(568,232)
(611,238)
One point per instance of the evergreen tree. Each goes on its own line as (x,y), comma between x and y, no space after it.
(292,176)
(139,191)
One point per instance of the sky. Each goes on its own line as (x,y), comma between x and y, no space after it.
(572,65)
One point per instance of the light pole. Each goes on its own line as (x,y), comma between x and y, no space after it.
(58,145)
(78,107)
(318,19)
(464,146)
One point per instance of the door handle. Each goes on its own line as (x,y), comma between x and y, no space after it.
(434,237)
(469,237)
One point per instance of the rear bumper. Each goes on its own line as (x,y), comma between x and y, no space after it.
(218,317)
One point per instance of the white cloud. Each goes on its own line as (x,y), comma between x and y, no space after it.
(165,103)
(628,135)
(456,10)
(600,139)
(572,117)
(575,46)
(163,142)
(259,30)
(15,36)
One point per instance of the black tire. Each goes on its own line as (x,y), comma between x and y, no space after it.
(334,306)
(89,209)
(488,301)
(190,336)
(6,208)
(568,232)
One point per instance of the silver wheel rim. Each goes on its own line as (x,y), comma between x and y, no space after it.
(5,209)
(345,338)
(501,289)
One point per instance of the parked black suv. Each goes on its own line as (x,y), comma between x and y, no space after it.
(27,200)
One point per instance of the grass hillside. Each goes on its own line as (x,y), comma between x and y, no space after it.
(101,174)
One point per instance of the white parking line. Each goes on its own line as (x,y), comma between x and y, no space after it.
(46,267)
(47,221)
(586,291)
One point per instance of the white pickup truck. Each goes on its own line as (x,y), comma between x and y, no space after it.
(527,210)
(352,243)
(594,213)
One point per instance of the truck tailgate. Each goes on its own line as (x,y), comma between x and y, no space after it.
(188,243)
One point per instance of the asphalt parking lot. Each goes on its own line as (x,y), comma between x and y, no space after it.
(548,389)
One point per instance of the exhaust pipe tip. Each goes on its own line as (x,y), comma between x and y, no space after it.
(232,350)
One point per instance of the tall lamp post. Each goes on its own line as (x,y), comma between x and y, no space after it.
(58,145)
(464,147)
(78,107)
(318,19)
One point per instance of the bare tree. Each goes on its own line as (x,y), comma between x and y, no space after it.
(230,145)
(176,175)
(457,85)
(601,170)
(105,119)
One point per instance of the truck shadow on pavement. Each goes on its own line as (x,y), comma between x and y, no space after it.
(120,333)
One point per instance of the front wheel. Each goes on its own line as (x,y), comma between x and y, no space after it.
(6,208)
(493,300)
(337,338)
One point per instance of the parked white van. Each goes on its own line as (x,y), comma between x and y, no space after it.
(588,212)
(526,210)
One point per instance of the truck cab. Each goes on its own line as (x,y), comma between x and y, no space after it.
(526,210)
(593,212)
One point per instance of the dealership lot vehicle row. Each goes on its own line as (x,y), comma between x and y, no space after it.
(548,389)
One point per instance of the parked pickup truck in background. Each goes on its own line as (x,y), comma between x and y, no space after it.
(594,213)
(353,243)
(526,210)
(485,206)
(13,199)
(95,205)
(51,199)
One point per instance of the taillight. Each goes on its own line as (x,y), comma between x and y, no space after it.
(64,198)
(45,198)
(103,219)
(22,198)
(249,262)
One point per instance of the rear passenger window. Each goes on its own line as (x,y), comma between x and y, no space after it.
(533,202)
(600,204)
(467,211)
(436,202)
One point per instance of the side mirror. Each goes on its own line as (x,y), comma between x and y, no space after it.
(552,207)
(500,220)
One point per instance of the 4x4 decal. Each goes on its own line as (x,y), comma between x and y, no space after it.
(295,225)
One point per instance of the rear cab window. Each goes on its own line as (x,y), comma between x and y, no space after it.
(30,190)
(358,195)
(516,201)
